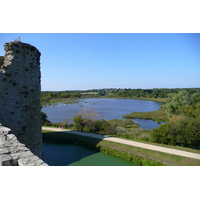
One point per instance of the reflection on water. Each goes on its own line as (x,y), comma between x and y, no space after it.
(148,124)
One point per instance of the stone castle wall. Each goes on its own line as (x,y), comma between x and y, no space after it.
(14,153)
(20,108)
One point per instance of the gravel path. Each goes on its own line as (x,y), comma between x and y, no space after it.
(129,142)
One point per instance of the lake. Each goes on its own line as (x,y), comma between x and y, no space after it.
(74,155)
(109,108)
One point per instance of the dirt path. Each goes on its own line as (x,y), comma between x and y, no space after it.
(129,142)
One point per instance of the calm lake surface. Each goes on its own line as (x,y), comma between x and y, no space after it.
(74,155)
(108,108)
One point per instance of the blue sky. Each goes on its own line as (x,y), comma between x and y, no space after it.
(73,61)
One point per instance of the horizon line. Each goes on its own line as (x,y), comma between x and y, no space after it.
(118,89)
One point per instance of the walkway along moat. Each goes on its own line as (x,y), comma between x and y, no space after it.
(98,137)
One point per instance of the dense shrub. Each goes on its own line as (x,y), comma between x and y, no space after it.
(125,128)
(183,132)
(79,122)
(183,127)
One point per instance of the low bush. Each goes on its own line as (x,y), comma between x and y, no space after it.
(183,132)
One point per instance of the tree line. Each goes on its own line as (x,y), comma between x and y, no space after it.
(47,96)
(150,93)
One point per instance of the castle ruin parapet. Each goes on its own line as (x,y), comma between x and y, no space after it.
(20,108)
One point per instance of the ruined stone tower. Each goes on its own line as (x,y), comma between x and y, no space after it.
(20,108)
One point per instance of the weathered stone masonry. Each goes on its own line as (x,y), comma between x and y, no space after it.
(20,108)
(14,153)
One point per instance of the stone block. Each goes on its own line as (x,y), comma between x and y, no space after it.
(14,153)
(6,160)
(4,150)
(4,130)
(23,161)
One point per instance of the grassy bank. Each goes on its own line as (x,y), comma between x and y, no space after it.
(159,115)
(151,99)
(140,98)
(138,156)
(145,157)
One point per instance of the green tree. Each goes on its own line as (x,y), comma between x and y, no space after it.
(87,119)
(44,118)
(103,125)
(193,132)
(175,102)
(195,98)
(183,132)
(79,122)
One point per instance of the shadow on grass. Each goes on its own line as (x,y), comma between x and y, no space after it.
(63,148)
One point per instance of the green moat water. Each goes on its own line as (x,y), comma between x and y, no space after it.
(74,155)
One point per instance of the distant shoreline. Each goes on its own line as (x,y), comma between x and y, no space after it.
(73,100)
